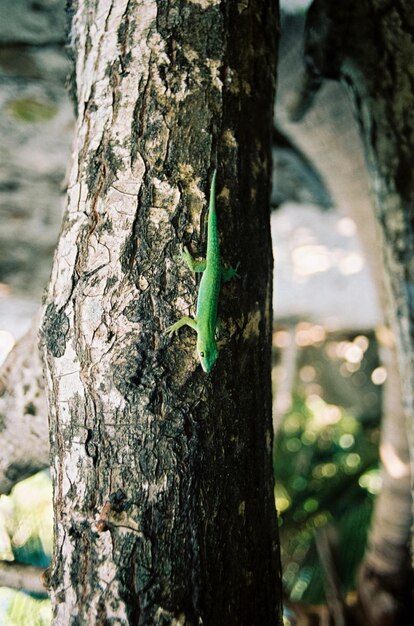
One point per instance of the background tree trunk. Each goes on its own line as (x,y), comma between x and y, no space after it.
(163,490)
(369,46)
(23,413)
(376,65)
(329,136)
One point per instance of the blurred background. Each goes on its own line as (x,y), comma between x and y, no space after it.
(36,126)
(327,328)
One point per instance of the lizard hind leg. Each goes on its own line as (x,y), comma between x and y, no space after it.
(184,321)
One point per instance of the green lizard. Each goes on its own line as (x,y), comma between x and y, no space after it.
(205,322)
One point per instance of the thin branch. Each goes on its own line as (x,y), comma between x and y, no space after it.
(26,577)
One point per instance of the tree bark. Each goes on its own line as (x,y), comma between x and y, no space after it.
(163,489)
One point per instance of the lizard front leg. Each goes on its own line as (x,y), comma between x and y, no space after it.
(184,321)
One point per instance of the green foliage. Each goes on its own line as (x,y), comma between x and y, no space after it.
(26,537)
(326,471)
(19,609)
(26,522)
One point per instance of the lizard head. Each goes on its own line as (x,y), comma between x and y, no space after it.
(207,353)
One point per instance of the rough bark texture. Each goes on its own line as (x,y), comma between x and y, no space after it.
(376,65)
(164,509)
(23,413)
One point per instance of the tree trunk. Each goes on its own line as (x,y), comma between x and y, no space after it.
(376,65)
(369,46)
(163,490)
(329,137)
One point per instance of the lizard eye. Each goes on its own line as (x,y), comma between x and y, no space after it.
(202,354)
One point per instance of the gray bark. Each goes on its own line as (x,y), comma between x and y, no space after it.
(387,552)
(163,490)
